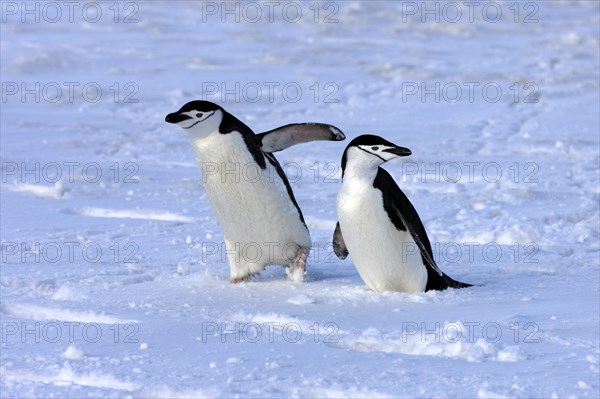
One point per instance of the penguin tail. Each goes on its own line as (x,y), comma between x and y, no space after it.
(442,282)
(456,284)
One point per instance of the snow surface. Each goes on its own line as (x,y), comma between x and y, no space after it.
(153,314)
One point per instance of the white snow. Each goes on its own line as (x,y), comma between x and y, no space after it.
(114,279)
(131,214)
(301,300)
(35,312)
(73,353)
(55,191)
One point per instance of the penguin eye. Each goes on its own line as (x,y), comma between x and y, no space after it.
(199,115)
(375,148)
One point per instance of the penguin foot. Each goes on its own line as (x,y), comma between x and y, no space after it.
(297,268)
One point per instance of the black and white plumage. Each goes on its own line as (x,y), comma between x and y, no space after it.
(379,227)
(248,190)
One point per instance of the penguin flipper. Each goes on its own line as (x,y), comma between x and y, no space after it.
(296,133)
(422,248)
(437,279)
(339,246)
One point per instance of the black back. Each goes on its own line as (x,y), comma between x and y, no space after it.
(232,124)
(404,216)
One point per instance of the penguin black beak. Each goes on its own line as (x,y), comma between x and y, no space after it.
(176,118)
(399,151)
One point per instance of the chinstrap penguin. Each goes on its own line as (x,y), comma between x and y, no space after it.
(379,227)
(261,220)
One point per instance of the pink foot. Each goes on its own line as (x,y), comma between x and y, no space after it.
(297,268)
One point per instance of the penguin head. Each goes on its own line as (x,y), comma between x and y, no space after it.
(199,118)
(370,151)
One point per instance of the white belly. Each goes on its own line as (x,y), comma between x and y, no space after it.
(386,259)
(260,223)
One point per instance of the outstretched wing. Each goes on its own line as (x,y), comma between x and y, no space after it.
(339,246)
(297,133)
(405,217)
